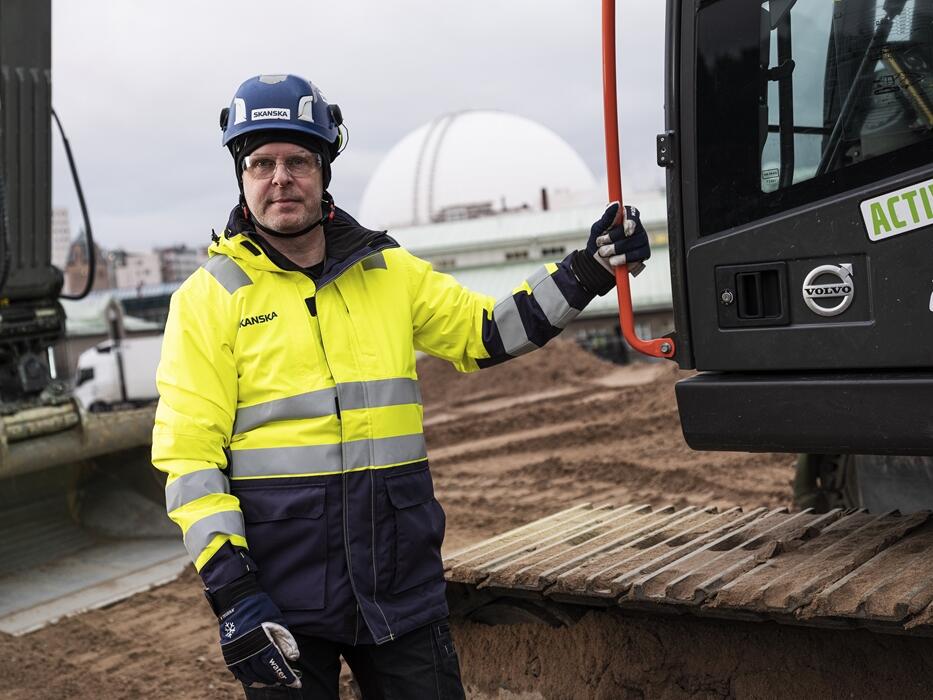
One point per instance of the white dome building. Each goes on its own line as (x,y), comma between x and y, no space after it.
(475,163)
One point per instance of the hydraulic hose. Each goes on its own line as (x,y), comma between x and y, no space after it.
(88,234)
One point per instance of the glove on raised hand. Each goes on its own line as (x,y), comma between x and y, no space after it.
(611,243)
(615,243)
(255,643)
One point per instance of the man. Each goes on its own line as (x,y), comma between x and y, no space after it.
(290,416)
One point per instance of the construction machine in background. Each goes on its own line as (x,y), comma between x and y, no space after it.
(81,511)
(798,145)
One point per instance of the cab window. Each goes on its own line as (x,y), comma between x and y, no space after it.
(800,100)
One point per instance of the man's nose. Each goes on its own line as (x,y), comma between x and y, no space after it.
(281,176)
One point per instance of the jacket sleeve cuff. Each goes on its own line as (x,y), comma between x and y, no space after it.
(228,564)
(225,597)
(595,278)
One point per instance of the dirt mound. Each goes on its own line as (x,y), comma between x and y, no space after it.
(564,363)
(559,426)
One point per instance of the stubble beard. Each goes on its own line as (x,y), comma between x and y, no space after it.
(287,222)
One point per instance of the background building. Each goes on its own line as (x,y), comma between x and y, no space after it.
(76,267)
(61,237)
(179,262)
(135,270)
(474,164)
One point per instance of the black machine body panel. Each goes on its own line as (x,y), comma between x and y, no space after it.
(816,412)
(800,204)
(887,323)
(25,148)
(31,317)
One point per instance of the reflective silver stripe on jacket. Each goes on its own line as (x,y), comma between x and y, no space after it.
(553,304)
(227,272)
(322,459)
(382,451)
(551,300)
(311,405)
(190,487)
(199,535)
(375,262)
(314,404)
(511,330)
(378,393)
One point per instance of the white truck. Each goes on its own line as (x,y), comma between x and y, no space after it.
(118,374)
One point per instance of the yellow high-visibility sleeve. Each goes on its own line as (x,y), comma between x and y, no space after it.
(197,382)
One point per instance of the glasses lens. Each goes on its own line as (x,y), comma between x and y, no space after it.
(259,166)
(303,164)
(263,167)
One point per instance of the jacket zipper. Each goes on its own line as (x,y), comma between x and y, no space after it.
(343,479)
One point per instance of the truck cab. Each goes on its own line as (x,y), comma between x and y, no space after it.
(120,373)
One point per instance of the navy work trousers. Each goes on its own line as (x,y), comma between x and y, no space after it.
(420,664)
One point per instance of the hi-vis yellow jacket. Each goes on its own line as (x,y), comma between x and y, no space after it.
(290,419)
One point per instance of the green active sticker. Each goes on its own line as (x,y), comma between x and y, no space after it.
(903,210)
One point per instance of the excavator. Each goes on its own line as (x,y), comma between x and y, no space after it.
(798,148)
(81,510)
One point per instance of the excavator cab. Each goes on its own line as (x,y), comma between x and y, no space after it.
(800,195)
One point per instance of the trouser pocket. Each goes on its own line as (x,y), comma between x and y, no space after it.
(446,663)
(286,531)
(419,529)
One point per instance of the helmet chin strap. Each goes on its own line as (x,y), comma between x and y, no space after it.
(329,216)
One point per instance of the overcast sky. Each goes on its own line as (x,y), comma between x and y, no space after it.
(139,86)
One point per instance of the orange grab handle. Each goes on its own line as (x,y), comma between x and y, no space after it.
(658,347)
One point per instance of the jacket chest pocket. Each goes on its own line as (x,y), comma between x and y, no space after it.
(286,530)
(419,529)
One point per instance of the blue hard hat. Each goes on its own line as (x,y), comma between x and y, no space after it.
(286,103)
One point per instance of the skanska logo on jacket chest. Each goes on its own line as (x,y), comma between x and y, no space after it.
(261,318)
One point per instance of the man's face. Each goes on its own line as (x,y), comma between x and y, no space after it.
(288,199)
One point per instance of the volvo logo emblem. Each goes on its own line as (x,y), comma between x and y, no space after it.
(828,289)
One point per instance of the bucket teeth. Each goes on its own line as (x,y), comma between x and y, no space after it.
(841,568)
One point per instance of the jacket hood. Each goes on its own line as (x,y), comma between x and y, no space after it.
(346,243)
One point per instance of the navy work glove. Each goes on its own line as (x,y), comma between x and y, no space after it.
(614,241)
(253,638)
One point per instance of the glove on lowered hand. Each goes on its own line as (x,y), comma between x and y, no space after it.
(253,638)
(615,243)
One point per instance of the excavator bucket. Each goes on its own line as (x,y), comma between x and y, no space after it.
(81,512)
